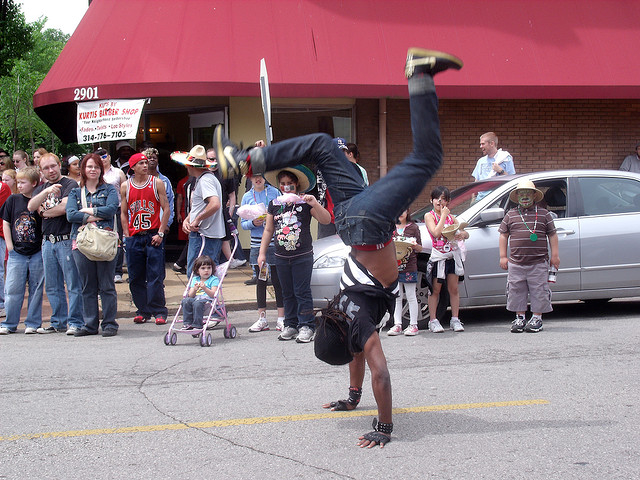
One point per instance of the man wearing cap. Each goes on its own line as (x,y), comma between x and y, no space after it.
(205,222)
(365,220)
(631,163)
(143,228)
(50,200)
(124,152)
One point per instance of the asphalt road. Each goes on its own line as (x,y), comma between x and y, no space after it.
(480,404)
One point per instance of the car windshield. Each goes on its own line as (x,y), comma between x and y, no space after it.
(462,198)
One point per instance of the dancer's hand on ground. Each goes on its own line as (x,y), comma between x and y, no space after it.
(371,439)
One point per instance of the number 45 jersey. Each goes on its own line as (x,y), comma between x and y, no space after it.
(143,206)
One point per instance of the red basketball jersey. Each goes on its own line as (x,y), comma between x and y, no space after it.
(144,206)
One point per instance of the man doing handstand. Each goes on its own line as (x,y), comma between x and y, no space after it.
(365,220)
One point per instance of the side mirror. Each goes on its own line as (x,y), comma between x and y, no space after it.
(491,215)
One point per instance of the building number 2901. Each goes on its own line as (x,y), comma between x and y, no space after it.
(88,93)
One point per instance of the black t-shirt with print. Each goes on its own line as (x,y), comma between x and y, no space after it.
(26,228)
(292,233)
(56,225)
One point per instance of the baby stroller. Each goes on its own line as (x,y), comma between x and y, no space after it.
(218,309)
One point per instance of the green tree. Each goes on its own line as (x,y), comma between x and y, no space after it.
(20,127)
(15,35)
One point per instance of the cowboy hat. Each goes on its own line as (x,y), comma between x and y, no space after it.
(526,185)
(449,232)
(306,179)
(196,157)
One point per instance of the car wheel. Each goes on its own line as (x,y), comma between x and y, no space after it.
(422,294)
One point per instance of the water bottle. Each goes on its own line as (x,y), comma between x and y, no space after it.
(553,274)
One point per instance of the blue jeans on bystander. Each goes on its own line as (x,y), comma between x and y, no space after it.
(23,270)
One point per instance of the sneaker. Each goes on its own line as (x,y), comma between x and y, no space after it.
(212,324)
(30,330)
(5,331)
(517,326)
(3,313)
(411,330)
(49,329)
(83,332)
(456,325)
(232,161)
(280,324)
(118,279)
(435,327)
(161,321)
(534,324)
(429,62)
(71,330)
(109,332)
(139,319)
(251,281)
(178,269)
(187,327)
(289,333)
(395,330)
(260,325)
(235,263)
(305,335)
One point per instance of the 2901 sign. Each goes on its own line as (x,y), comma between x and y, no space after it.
(85,93)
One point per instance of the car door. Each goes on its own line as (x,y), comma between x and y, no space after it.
(609,225)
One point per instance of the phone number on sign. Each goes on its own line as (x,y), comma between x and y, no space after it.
(103,136)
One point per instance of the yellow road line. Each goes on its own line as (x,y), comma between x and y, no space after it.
(259,420)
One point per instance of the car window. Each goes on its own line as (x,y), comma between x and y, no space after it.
(605,196)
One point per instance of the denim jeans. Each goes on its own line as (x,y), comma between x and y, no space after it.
(295,279)
(193,309)
(146,270)
(60,268)
(96,279)
(23,269)
(212,247)
(3,248)
(366,215)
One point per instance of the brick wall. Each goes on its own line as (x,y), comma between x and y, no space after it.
(540,134)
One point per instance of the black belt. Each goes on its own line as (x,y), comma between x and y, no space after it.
(146,232)
(57,238)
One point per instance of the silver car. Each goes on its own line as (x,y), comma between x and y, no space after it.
(597,220)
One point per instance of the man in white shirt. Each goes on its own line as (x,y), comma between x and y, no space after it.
(495,161)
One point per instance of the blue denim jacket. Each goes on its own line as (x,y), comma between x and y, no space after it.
(104,200)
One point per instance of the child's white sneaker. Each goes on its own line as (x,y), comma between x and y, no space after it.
(395,330)
(456,325)
(411,330)
(435,327)
(260,325)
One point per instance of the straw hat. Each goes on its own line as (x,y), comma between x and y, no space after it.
(526,185)
(306,179)
(196,157)
(402,248)
(449,232)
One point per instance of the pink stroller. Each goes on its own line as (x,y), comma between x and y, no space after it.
(218,309)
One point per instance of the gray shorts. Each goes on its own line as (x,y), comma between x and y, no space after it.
(528,283)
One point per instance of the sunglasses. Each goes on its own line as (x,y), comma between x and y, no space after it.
(104,157)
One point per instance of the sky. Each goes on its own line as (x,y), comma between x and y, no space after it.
(62,14)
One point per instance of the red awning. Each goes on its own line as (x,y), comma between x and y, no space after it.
(343,48)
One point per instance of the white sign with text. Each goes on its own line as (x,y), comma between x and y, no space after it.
(108,120)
